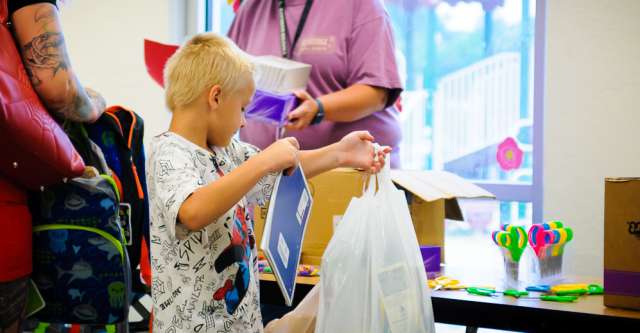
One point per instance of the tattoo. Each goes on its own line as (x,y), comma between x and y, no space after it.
(76,105)
(96,99)
(44,57)
(44,15)
(45,52)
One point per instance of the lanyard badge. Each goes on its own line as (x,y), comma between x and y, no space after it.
(285,52)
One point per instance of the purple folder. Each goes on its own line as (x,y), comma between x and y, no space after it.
(270,107)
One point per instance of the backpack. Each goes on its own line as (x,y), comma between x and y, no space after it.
(119,133)
(80,263)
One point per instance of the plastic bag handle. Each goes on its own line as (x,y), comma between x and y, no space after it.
(384,176)
(369,187)
(379,180)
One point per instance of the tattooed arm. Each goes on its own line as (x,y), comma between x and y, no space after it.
(44,54)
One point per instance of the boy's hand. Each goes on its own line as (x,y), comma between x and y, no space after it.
(356,151)
(281,155)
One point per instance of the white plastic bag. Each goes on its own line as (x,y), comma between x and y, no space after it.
(301,320)
(373,278)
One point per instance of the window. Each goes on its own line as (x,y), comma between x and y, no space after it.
(469,106)
(219,16)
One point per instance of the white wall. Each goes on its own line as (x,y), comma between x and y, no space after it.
(105,41)
(592,116)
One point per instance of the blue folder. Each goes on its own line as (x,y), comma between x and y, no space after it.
(285,225)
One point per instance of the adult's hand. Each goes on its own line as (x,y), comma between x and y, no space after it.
(302,116)
(346,105)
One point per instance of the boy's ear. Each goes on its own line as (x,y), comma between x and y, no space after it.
(213,97)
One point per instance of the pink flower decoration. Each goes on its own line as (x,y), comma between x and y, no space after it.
(235,4)
(509,155)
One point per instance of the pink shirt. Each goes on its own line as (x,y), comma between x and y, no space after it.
(346,42)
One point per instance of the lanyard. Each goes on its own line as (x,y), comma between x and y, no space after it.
(283,28)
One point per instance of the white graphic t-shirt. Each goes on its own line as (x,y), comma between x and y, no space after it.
(207,280)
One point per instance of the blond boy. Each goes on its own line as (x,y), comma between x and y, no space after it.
(202,183)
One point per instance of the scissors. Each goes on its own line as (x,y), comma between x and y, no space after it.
(553,225)
(540,237)
(553,298)
(515,293)
(482,291)
(561,237)
(492,292)
(522,295)
(448,283)
(444,282)
(541,288)
(513,239)
(550,236)
(577,289)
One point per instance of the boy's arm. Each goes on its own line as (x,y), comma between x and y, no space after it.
(317,161)
(355,150)
(210,202)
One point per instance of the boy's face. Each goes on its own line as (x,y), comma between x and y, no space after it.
(228,117)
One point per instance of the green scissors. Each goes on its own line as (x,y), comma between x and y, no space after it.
(515,293)
(492,292)
(553,298)
(481,291)
(512,238)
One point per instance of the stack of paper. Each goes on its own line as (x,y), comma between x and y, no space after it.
(280,75)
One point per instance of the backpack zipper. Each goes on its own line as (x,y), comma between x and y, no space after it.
(102,233)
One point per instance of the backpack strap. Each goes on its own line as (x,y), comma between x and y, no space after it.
(127,126)
(127,120)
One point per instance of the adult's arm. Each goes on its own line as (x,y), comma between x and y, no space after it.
(44,54)
(346,105)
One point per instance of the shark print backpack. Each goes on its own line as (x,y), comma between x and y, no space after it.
(80,262)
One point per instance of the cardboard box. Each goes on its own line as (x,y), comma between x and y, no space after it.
(431,196)
(622,242)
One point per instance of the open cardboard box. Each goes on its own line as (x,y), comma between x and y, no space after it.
(432,197)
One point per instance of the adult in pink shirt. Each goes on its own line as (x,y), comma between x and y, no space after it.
(354,76)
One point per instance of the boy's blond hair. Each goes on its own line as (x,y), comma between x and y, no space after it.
(205,60)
